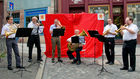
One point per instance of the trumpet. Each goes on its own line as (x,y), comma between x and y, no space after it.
(105,33)
(13,30)
(119,30)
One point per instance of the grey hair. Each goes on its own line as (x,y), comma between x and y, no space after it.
(56,20)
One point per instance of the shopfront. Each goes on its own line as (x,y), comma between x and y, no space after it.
(117,10)
(28,14)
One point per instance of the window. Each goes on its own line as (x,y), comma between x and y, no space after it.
(100,9)
(16,17)
(133,10)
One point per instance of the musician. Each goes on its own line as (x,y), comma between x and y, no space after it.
(76,60)
(55,40)
(34,38)
(11,43)
(110,43)
(129,34)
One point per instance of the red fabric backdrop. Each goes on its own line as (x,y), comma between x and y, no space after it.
(71,22)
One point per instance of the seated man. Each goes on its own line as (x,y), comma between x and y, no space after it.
(77,50)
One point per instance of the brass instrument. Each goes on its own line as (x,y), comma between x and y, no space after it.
(72,47)
(119,30)
(106,32)
(13,30)
(62,27)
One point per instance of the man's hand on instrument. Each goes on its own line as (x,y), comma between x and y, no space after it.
(123,28)
(73,43)
(38,24)
(58,27)
(109,32)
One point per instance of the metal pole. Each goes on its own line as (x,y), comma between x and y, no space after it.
(10,12)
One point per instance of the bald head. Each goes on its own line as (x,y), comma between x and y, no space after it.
(34,19)
(76,31)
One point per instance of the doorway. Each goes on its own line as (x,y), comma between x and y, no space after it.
(118,17)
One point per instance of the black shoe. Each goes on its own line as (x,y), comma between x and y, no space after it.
(10,68)
(59,60)
(20,67)
(30,60)
(131,70)
(74,61)
(123,68)
(53,61)
(39,60)
(111,63)
(107,62)
(78,62)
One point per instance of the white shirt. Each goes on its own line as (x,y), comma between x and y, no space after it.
(35,27)
(112,28)
(5,28)
(127,35)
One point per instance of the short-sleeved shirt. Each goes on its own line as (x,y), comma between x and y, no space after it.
(53,27)
(127,35)
(112,28)
(6,28)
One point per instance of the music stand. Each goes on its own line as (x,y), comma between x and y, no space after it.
(57,33)
(93,33)
(78,39)
(23,32)
(75,39)
(102,39)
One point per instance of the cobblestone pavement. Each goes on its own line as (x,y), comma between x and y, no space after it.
(85,71)
(72,71)
(33,67)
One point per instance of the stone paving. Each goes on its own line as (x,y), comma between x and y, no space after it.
(70,71)
(85,71)
(33,67)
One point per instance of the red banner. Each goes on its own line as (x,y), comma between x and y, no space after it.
(93,47)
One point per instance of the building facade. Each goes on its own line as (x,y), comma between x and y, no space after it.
(1,13)
(117,10)
(23,17)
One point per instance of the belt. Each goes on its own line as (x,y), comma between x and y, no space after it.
(110,37)
(11,38)
(130,40)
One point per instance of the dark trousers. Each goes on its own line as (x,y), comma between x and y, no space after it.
(109,49)
(34,39)
(129,48)
(12,44)
(70,55)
